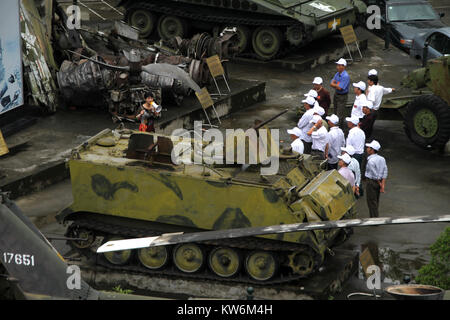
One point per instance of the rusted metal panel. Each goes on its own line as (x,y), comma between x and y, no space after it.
(38,60)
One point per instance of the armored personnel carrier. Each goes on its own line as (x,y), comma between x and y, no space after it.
(125,185)
(426,109)
(266,28)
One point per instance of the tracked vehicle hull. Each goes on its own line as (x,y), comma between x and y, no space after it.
(121,194)
(266,29)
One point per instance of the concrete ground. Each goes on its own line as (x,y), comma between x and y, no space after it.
(418,182)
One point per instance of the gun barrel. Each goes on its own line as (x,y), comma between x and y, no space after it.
(259,125)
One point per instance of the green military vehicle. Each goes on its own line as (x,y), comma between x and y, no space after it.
(266,28)
(426,111)
(125,185)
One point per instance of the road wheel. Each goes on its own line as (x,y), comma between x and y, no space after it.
(261,265)
(427,122)
(144,21)
(266,42)
(117,257)
(170,27)
(225,262)
(154,258)
(188,257)
(243,38)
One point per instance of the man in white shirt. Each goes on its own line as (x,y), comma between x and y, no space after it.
(336,141)
(356,138)
(318,110)
(360,98)
(354,167)
(344,161)
(319,137)
(375,92)
(313,93)
(304,123)
(297,144)
(375,175)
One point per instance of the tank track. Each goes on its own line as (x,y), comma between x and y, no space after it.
(231,19)
(101,228)
(162,7)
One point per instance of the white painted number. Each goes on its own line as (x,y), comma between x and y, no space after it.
(19,259)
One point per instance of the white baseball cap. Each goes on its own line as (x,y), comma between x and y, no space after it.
(295,131)
(319,110)
(354,120)
(342,61)
(309,100)
(361,85)
(346,158)
(348,149)
(315,119)
(317,80)
(333,119)
(368,104)
(373,72)
(311,93)
(374,145)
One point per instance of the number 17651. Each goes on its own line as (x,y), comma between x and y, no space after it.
(19,259)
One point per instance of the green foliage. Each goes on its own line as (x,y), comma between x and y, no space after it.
(437,272)
(119,289)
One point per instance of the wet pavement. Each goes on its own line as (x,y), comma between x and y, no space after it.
(418,182)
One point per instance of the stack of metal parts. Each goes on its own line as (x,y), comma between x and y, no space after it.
(121,76)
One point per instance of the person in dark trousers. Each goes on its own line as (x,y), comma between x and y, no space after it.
(149,111)
(375,175)
(323,95)
(341,83)
(366,123)
(375,92)
(356,138)
(336,141)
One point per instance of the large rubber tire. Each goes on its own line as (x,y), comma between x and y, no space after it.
(243,37)
(171,26)
(427,122)
(143,20)
(266,42)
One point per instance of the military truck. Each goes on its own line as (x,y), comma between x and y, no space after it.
(266,28)
(125,185)
(426,111)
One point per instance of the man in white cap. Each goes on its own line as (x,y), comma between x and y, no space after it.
(366,123)
(304,123)
(356,138)
(318,110)
(319,136)
(360,98)
(354,167)
(323,95)
(312,93)
(372,72)
(375,175)
(341,84)
(344,161)
(336,141)
(375,92)
(297,144)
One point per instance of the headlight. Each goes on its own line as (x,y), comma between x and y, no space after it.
(406,42)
